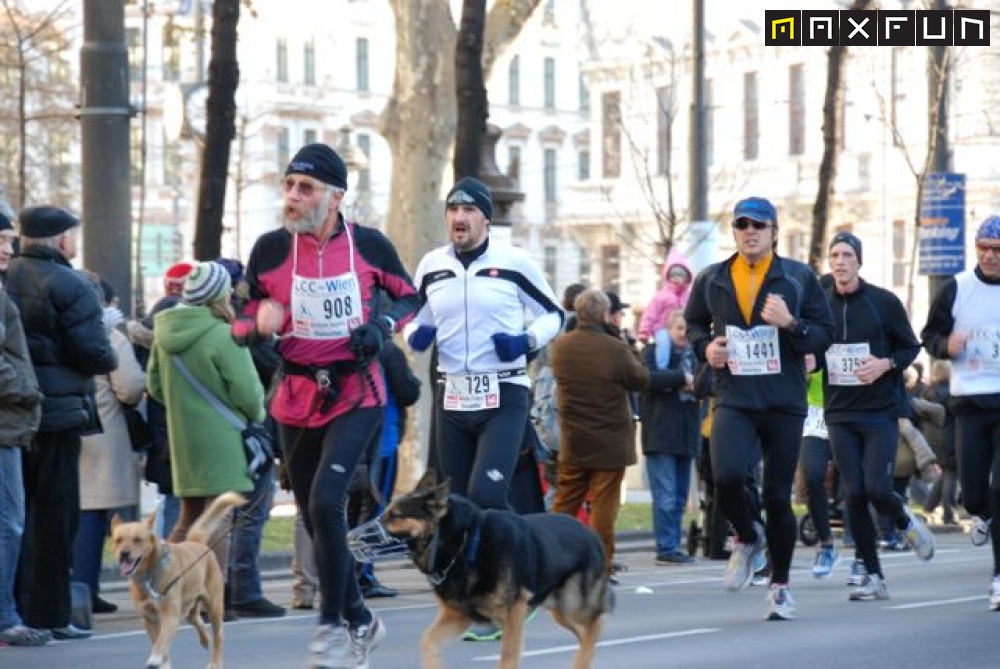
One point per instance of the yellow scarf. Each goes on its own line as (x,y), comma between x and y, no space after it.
(747,279)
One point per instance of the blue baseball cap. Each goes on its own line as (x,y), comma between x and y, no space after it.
(756,209)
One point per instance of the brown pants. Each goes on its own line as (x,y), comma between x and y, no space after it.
(605,489)
(191,508)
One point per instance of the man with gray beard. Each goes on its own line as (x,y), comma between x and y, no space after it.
(315,283)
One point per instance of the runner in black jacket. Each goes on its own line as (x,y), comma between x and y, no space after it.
(753,317)
(873,343)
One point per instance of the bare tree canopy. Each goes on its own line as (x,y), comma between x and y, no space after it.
(37,116)
(832,109)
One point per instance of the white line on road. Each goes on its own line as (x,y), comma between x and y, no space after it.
(940,602)
(604,644)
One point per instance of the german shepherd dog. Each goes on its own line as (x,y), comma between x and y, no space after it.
(491,565)
(171,581)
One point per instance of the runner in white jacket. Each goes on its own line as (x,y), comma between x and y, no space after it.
(474,293)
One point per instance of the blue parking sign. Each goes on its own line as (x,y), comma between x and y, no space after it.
(941,234)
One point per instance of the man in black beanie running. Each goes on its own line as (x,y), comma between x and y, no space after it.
(474,292)
(314,282)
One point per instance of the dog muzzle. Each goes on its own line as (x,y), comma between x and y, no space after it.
(371,542)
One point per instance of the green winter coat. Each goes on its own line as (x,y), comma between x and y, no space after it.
(206,452)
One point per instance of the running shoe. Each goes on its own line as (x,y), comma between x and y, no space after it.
(995,594)
(364,639)
(827,558)
(871,589)
(740,568)
(980,533)
(330,648)
(919,536)
(780,605)
(858,573)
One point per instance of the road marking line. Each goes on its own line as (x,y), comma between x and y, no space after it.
(605,644)
(940,602)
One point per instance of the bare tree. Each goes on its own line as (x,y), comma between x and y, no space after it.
(40,114)
(223,79)
(833,108)
(919,170)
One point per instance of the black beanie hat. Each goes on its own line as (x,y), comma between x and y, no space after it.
(472,191)
(851,240)
(320,162)
(45,221)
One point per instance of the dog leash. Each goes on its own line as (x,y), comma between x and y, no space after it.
(157,596)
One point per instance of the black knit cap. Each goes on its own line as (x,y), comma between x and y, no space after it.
(472,191)
(45,221)
(850,239)
(320,162)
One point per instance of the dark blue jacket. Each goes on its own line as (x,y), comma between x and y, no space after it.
(713,306)
(68,344)
(670,419)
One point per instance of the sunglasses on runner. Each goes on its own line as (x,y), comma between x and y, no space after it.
(744,223)
(986,248)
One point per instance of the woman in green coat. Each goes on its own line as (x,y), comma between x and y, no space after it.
(206,452)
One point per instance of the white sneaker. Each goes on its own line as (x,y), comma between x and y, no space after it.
(995,594)
(364,639)
(858,573)
(740,568)
(330,648)
(919,536)
(873,588)
(980,533)
(780,605)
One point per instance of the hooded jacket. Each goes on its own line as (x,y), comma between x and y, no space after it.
(669,298)
(206,452)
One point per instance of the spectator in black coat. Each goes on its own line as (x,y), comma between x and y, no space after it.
(61,314)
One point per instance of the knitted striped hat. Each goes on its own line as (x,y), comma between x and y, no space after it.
(206,283)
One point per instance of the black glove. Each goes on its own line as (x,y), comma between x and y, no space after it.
(367,339)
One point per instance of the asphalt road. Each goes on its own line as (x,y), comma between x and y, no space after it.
(666,617)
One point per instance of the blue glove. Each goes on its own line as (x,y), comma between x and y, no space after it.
(422,338)
(510,347)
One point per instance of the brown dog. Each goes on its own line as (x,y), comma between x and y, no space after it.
(171,581)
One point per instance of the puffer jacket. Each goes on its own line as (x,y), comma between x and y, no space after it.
(61,314)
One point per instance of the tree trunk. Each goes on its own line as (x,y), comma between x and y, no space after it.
(223,78)
(473,108)
(832,109)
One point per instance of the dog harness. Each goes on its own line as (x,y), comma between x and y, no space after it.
(147,582)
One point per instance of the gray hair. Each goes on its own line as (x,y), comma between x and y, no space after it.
(592,306)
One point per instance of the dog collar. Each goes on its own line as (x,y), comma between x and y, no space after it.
(469,549)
